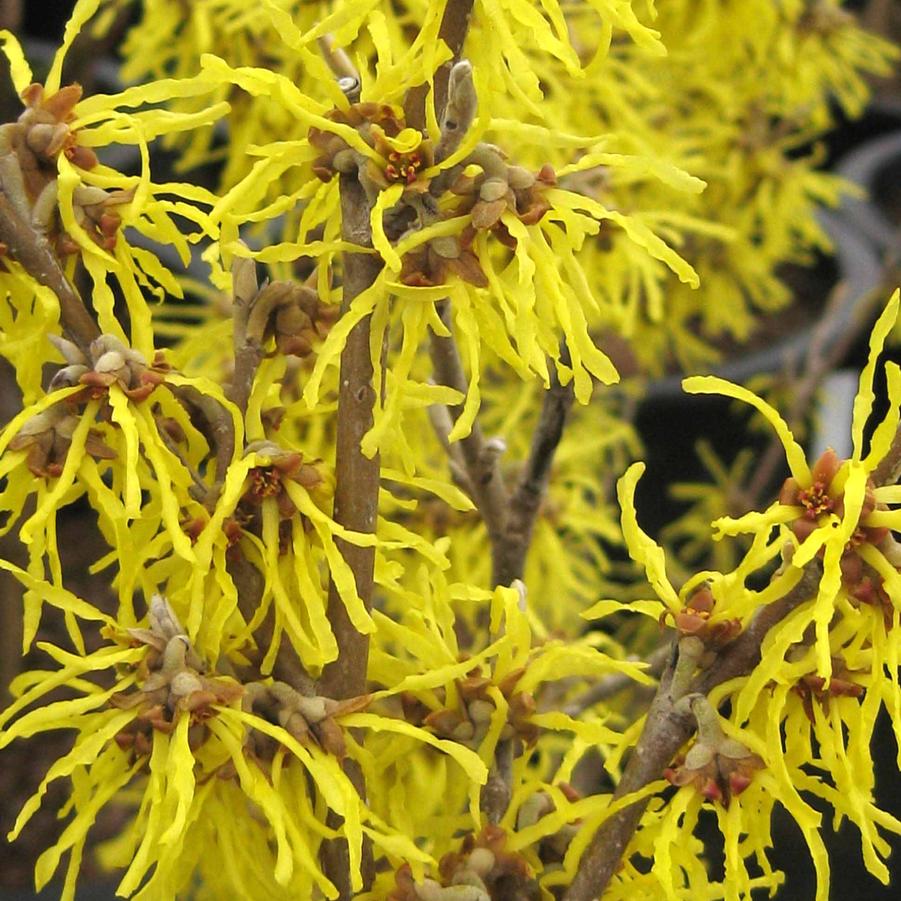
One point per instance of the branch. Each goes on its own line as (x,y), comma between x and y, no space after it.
(33,252)
(480,457)
(11,14)
(356,498)
(509,520)
(247,347)
(667,729)
(453,29)
(494,799)
(342,68)
(442,423)
(889,469)
(741,655)
(357,476)
(220,431)
(510,552)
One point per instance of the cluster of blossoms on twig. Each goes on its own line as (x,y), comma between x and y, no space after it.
(425,201)
(476,191)
(30,149)
(717,766)
(812,698)
(481,870)
(451,218)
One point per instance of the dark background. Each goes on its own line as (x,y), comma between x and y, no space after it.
(670,431)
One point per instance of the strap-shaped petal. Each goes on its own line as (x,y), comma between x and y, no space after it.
(711,384)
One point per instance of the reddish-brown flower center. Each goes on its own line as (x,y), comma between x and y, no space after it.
(403,166)
(265,482)
(816,500)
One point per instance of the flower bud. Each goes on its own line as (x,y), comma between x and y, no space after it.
(89,195)
(446,246)
(481,860)
(46,139)
(174,654)
(493,189)
(520,178)
(185,683)
(480,711)
(68,376)
(71,352)
(463,731)
(244,279)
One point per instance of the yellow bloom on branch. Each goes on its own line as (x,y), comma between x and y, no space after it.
(55,182)
(846,516)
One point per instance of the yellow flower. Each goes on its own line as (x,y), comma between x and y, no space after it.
(709,603)
(502,243)
(171,730)
(834,499)
(83,205)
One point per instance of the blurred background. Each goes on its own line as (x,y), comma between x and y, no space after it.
(867,151)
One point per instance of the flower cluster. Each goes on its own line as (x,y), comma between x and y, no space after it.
(482,864)
(53,180)
(171,682)
(470,722)
(168,727)
(833,510)
(694,619)
(30,148)
(47,437)
(717,766)
(306,681)
(825,498)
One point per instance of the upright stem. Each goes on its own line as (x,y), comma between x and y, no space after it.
(248,356)
(356,498)
(453,29)
(356,476)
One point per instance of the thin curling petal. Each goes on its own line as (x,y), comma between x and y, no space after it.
(711,384)
(19,69)
(642,549)
(753,522)
(83,11)
(884,433)
(863,402)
